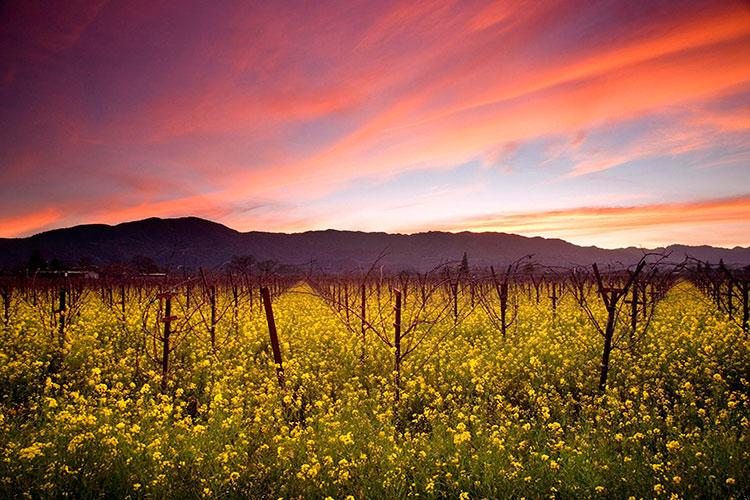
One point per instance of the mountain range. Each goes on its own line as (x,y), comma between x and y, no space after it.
(192,242)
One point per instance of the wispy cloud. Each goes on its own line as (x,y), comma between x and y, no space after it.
(592,224)
(29,223)
(165,109)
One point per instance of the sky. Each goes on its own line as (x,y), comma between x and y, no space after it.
(609,123)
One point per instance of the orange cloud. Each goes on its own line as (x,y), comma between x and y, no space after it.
(728,219)
(288,105)
(11,227)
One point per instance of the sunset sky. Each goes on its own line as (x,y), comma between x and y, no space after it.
(607,123)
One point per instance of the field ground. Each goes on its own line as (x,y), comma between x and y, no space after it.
(479,415)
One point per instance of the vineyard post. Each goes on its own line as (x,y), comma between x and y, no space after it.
(609,298)
(554,299)
(62,310)
(730,291)
(122,302)
(364,319)
(397,345)
(6,304)
(745,311)
(634,302)
(167,320)
(265,294)
(346,301)
(717,293)
(454,291)
(504,306)
(212,301)
(236,303)
(250,295)
(502,293)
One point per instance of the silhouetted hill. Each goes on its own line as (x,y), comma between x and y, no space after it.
(194,242)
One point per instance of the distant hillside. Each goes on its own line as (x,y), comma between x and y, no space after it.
(194,242)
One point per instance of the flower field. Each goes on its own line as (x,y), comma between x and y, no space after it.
(477,414)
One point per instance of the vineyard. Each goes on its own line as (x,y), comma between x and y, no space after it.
(454,383)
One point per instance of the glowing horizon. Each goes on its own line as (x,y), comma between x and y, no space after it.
(611,124)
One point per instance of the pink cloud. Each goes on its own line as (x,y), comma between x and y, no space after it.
(287,105)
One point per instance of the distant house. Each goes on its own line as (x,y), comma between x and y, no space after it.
(152,275)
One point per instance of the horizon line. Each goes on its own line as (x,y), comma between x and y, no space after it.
(397,233)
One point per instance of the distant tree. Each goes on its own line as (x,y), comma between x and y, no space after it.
(267,267)
(241,264)
(463,268)
(36,262)
(143,264)
(56,265)
(116,269)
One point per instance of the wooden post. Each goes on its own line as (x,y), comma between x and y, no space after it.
(634,309)
(6,304)
(265,294)
(165,339)
(504,306)
(122,302)
(611,296)
(363,312)
(212,302)
(608,334)
(745,312)
(454,290)
(346,301)
(236,299)
(554,299)
(717,293)
(610,302)
(62,311)
(250,296)
(502,294)
(397,345)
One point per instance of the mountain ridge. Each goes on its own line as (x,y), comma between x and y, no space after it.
(194,242)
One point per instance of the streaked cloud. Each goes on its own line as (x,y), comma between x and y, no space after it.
(649,225)
(29,222)
(117,111)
